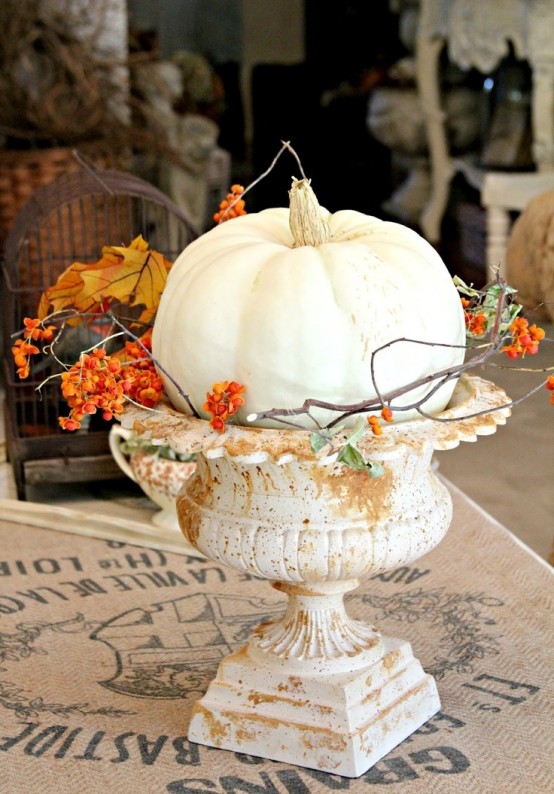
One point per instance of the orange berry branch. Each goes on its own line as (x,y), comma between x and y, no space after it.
(232,205)
(102,382)
(125,278)
(103,379)
(23,349)
(492,319)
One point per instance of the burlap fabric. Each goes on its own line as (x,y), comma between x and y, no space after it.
(105,646)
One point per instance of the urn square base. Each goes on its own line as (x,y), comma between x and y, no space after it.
(341,723)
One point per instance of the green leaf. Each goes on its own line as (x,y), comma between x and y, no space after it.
(359,429)
(353,458)
(318,441)
(464,288)
(136,444)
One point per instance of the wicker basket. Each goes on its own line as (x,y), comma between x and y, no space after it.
(24,171)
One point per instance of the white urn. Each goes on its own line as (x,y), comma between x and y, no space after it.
(318,688)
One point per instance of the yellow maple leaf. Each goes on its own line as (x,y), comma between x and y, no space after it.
(132,276)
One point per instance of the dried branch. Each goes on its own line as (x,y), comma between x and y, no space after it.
(496,336)
(157,364)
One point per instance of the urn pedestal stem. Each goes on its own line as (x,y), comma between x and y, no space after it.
(316,634)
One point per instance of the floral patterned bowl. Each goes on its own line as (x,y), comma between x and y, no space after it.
(160,477)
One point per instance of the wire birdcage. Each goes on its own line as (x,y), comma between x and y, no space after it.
(70,220)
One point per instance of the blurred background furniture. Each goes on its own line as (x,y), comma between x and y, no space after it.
(479,35)
(69,220)
(502,195)
(397,118)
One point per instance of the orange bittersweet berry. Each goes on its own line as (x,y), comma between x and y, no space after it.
(35,330)
(476,324)
(100,382)
(375,425)
(525,339)
(550,386)
(223,402)
(231,206)
(475,321)
(23,349)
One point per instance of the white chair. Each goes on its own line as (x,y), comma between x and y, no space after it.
(501,194)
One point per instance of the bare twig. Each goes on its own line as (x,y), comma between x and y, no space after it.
(439,378)
(285,147)
(157,364)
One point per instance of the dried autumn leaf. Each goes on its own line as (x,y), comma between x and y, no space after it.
(62,295)
(132,275)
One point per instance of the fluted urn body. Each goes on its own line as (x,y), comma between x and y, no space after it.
(318,688)
(306,521)
(315,528)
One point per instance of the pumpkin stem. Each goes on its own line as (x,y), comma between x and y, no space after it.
(307,222)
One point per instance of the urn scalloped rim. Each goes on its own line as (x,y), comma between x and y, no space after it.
(476,407)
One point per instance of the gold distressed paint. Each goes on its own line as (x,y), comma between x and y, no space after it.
(218,729)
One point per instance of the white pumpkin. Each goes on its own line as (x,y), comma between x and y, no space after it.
(293,314)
